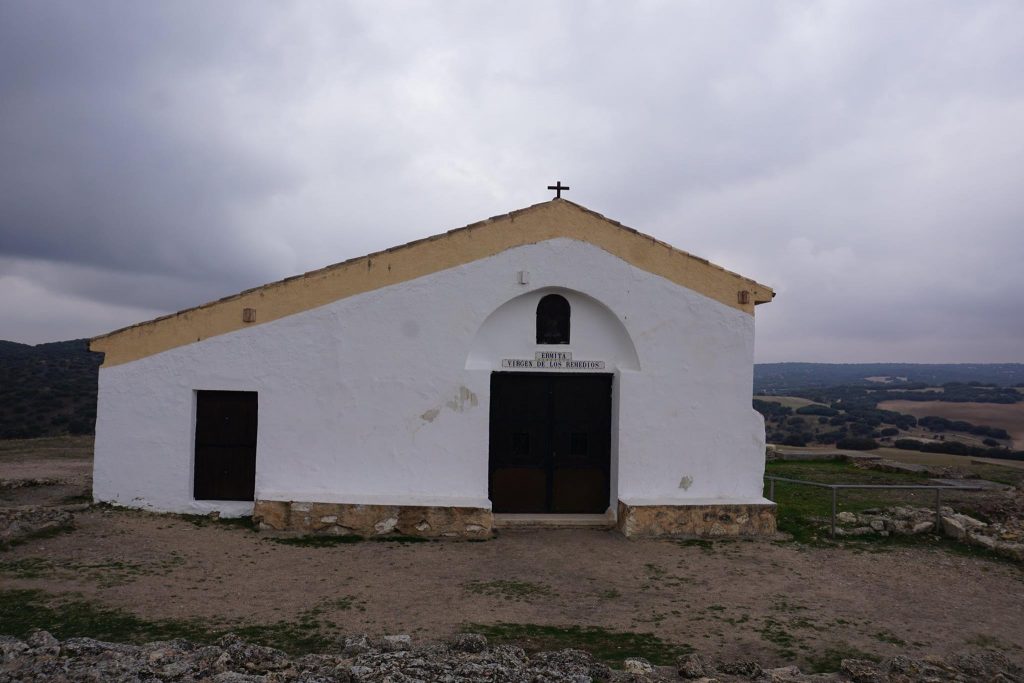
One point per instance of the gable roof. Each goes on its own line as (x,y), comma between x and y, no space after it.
(557,218)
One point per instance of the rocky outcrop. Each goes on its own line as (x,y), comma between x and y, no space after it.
(1005,538)
(468,658)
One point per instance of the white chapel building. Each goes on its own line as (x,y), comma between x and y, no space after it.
(549,362)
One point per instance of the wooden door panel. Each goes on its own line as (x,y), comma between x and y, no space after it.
(518,481)
(225,447)
(225,473)
(519,490)
(518,431)
(226,418)
(579,491)
(581,443)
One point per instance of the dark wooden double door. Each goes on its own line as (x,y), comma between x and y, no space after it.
(550,442)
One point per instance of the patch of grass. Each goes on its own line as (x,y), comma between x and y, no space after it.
(24,610)
(202,521)
(299,637)
(611,647)
(36,536)
(21,611)
(222,522)
(803,510)
(610,594)
(77,499)
(344,603)
(781,603)
(1002,474)
(775,632)
(27,567)
(838,472)
(736,621)
(889,637)
(654,571)
(701,543)
(990,643)
(317,541)
(398,538)
(312,541)
(781,631)
(831,659)
(927,541)
(105,574)
(519,591)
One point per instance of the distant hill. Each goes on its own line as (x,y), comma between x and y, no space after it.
(781,378)
(47,389)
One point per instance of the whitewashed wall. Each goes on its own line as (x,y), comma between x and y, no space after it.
(383,397)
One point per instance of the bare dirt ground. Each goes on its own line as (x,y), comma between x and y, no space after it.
(1009,416)
(771,601)
(65,460)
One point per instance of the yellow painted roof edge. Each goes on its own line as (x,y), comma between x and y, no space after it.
(557,218)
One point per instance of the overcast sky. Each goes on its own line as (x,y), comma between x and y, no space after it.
(866,159)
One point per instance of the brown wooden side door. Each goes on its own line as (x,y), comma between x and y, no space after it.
(225,456)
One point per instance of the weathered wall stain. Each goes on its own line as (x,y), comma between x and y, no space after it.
(457,404)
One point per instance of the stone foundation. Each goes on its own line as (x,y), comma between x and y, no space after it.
(652,521)
(344,519)
(634,521)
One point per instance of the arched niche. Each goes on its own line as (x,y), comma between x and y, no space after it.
(554,319)
(510,332)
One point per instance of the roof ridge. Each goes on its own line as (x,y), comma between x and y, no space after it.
(329,267)
(538,229)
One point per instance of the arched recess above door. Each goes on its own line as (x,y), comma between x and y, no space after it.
(510,332)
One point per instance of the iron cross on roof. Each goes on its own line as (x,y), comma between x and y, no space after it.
(558,187)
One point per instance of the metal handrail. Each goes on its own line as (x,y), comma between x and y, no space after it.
(938,488)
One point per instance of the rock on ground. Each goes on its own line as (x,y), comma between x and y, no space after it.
(1004,536)
(468,658)
(19,523)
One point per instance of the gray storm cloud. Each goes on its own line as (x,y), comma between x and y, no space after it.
(863,158)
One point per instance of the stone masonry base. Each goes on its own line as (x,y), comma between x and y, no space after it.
(654,521)
(343,519)
(634,521)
